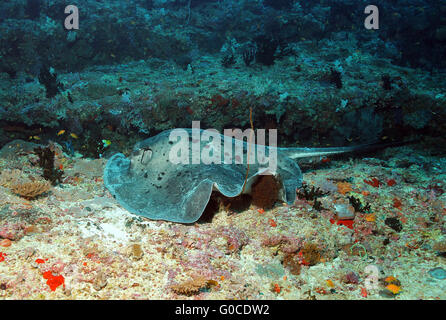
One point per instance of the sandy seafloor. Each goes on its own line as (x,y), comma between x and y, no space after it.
(78,231)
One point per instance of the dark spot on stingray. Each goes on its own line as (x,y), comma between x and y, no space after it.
(170,142)
(146,175)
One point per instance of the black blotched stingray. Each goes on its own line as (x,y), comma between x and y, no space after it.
(152,183)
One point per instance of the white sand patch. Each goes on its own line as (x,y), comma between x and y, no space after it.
(113,230)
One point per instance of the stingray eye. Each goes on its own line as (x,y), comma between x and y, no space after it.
(146,155)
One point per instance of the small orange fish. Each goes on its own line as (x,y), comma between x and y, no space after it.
(393,288)
(61,132)
(325,160)
(73,135)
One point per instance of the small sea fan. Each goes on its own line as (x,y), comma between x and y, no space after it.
(31,190)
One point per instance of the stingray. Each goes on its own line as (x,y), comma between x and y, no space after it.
(171,177)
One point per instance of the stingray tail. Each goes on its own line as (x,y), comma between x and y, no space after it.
(298,153)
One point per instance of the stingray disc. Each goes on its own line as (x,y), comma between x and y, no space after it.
(171,176)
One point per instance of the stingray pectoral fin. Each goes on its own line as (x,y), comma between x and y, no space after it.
(115,172)
(195,202)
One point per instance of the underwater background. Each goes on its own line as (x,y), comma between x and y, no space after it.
(363,226)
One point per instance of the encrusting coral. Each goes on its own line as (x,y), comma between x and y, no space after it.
(9,177)
(311,254)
